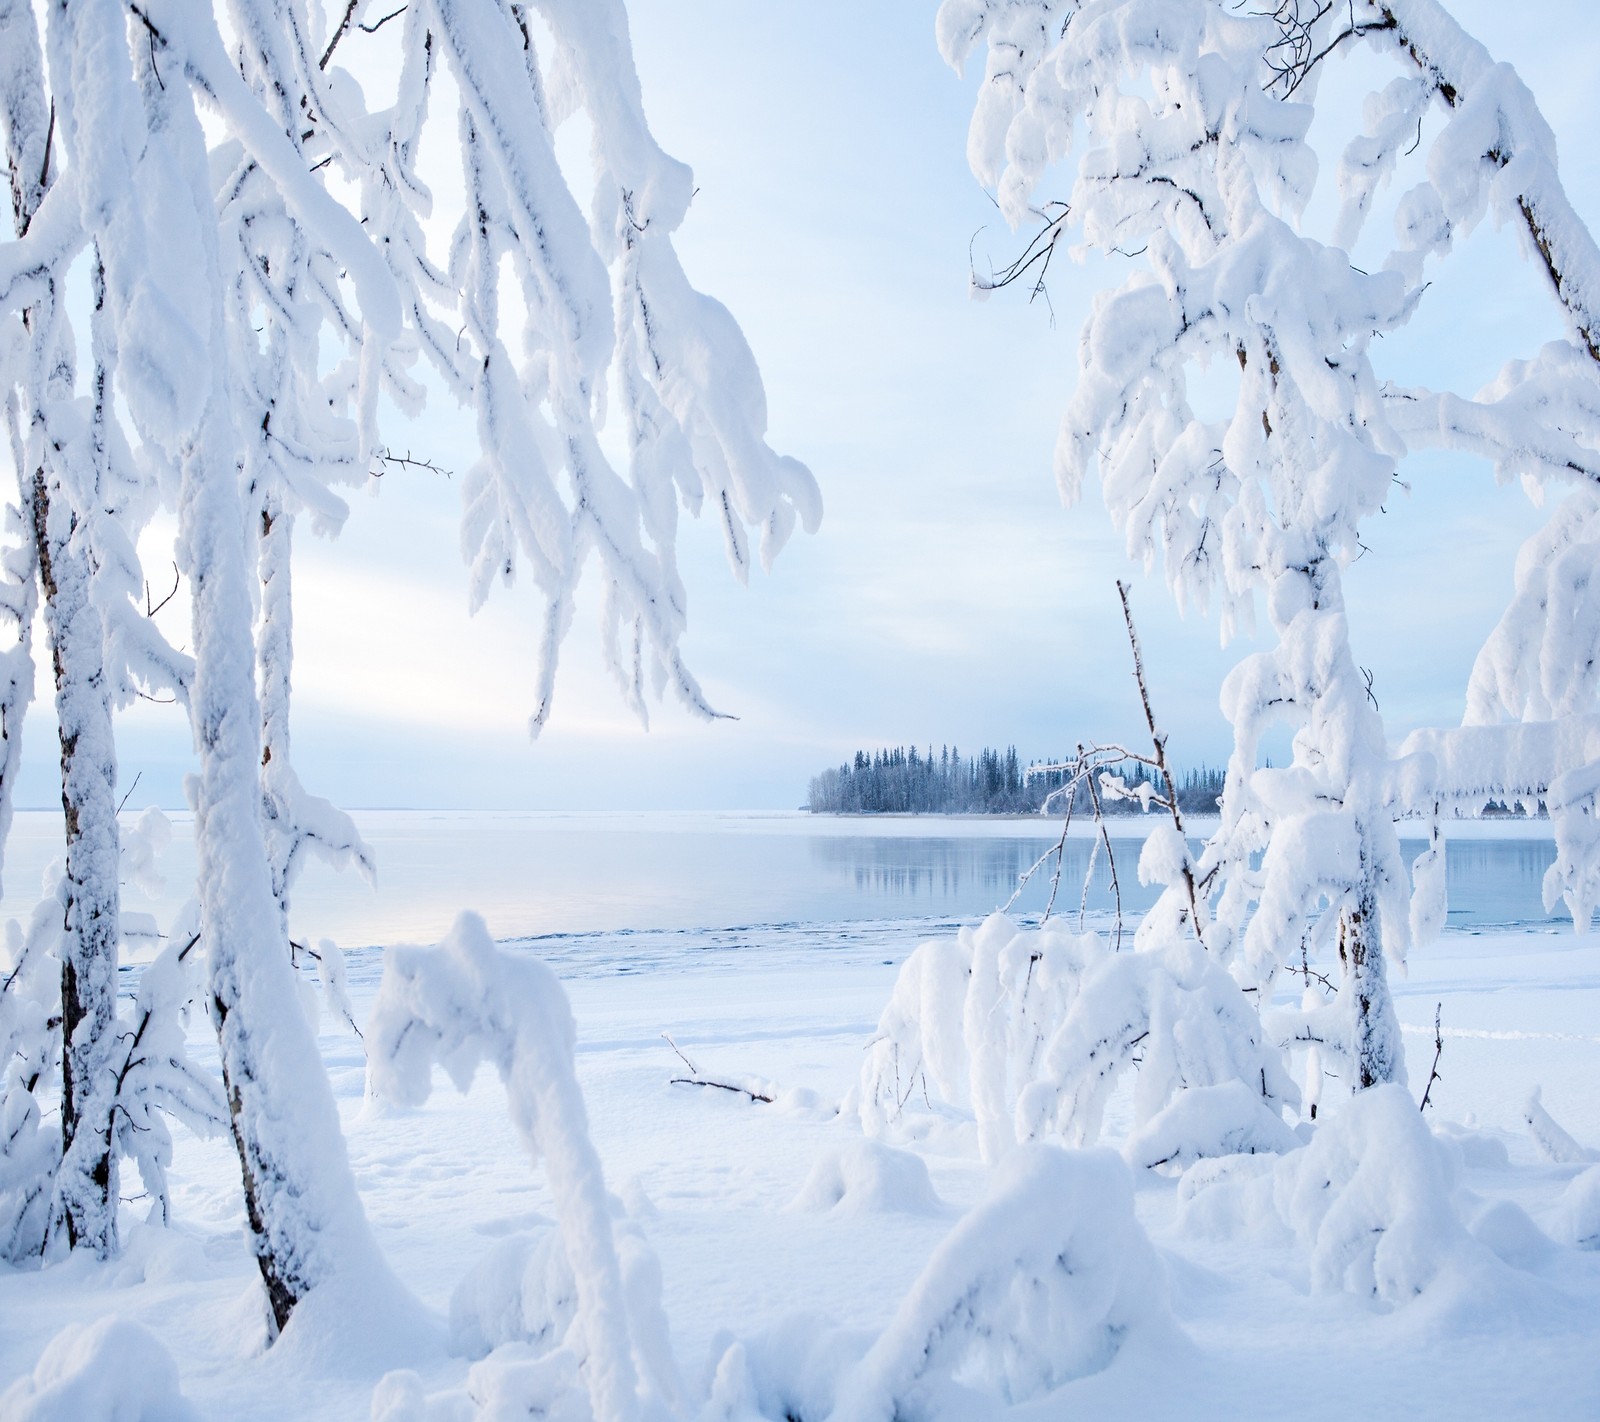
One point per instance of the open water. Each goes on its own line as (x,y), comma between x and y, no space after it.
(641,882)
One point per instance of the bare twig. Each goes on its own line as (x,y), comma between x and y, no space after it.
(150,611)
(1438,1051)
(406,461)
(339,32)
(682,1055)
(695,1079)
(1111,861)
(1159,741)
(377,25)
(124,803)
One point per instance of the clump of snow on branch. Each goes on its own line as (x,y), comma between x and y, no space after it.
(1032,1029)
(1047,1280)
(461,1003)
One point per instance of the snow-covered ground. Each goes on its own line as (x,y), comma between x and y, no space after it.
(723,1190)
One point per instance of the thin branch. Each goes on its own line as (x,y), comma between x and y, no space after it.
(720,1086)
(1438,1051)
(682,1055)
(373,29)
(177,579)
(1159,741)
(406,461)
(339,33)
(136,779)
(695,1079)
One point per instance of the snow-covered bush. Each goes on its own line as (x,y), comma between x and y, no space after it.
(1371,1199)
(1032,1029)
(1046,1281)
(112,1370)
(456,1005)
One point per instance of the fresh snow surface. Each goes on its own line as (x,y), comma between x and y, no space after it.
(798,1268)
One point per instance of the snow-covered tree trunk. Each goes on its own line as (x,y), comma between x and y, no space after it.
(275,659)
(86,1186)
(305,1218)
(1379,1053)
(299,1196)
(86,1183)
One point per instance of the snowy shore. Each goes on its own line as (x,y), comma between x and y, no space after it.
(713,1183)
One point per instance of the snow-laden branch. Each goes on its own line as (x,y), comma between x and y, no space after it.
(466,1001)
(606,308)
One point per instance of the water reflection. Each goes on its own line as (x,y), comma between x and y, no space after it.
(1489,881)
(1496,881)
(973,876)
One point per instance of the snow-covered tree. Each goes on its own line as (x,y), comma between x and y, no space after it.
(1179,130)
(230,255)
(86,502)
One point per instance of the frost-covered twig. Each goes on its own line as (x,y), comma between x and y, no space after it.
(695,1079)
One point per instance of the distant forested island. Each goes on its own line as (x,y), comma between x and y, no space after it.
(906,781)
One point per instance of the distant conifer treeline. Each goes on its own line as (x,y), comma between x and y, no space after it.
(906,781)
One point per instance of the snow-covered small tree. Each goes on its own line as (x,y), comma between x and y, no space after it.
(1179,128)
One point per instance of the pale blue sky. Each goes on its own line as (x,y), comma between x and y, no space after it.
(948,596)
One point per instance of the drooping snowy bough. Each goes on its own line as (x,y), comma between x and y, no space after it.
(605,308)
(465,1001)
(1049,1279)
(1179,131)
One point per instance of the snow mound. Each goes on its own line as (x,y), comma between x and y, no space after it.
(1479,1149)
(112,1370)
(1371,1198)
(1505,1229)
(520,1291)
(868,1177)
(791,1369)
(1577,1212)
(1222,1120)
(1043,1282)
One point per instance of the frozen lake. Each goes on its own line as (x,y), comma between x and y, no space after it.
(640,881)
